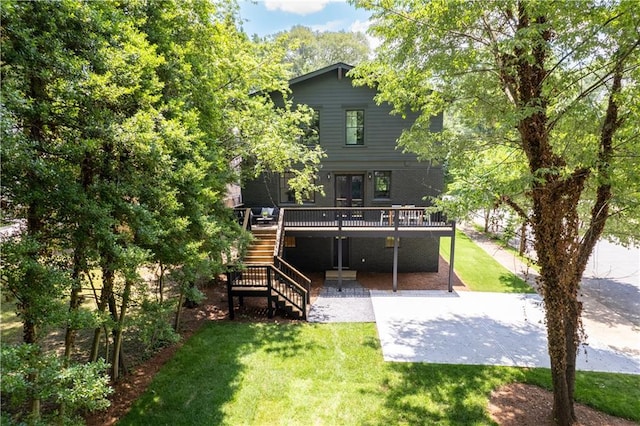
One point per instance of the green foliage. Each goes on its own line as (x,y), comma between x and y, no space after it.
(37,284)
(122,124)
(27,372)
(461,57)
(307,50)
(152,324)
(551,85)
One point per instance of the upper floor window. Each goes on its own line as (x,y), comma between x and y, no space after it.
(287,194)
(381,184)
(311,135)
(355,127)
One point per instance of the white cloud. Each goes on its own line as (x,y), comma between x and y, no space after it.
(363,26)
(299,7)
(331,26)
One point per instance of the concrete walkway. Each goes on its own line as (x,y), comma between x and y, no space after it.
(616,325)
(476,328)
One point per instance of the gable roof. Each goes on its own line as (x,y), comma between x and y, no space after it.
(341,67)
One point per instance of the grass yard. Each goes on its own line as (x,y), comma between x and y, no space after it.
(232,373)
(478,270)
(11,326)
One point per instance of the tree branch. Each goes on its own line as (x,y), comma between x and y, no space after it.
(598,83)
(505,199)
(600,210)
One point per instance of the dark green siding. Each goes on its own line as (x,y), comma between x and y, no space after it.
(332,94)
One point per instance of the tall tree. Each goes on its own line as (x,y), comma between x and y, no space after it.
(308,50)
(122,123)
(557,83)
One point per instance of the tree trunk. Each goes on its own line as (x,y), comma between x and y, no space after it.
(79,261)
(523,239)
(117,341)
(75,300)
(176,323)
(562,336)
(35,401)
(487,216)
(161,283)
(105,295)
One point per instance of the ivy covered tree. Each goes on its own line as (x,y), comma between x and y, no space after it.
(556,84)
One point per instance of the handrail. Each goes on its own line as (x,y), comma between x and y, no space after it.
(291,285)
(244,217)
(278,247)
(294,274)
(252,277)
(247,218)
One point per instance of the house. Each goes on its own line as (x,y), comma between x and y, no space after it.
(372,216)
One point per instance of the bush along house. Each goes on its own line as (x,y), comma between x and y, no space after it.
(373,216)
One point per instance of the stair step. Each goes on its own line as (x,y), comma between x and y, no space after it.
(288,307)
(346,274)
(264,253)
(263,243)
(263,233)
(261,259)
(261,247)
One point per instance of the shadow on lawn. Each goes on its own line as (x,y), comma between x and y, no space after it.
(514,284)
(456,393)
(194,386)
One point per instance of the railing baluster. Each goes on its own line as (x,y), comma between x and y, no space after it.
(364,217)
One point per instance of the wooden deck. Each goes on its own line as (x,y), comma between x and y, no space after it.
(369,222)
(366,222)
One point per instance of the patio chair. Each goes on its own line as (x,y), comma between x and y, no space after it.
(387,215)
(411,217)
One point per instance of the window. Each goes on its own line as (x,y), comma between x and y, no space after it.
(286,193)
(311,135)
(355,127)
(381,184)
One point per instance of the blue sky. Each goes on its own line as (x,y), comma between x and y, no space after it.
(266,17)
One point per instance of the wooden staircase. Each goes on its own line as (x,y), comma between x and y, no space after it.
(260,251)
(268,275)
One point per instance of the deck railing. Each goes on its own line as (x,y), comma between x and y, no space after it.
(364,217)
(265,280)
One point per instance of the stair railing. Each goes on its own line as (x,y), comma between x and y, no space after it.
(295,275)
(262,280)
(278,248)
(244,217)
(289,290)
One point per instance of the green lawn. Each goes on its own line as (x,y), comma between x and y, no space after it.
(478,270)
(10,324)
(232,373)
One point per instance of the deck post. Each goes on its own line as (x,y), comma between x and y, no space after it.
(339,263)
(269,295)
(396,243)
(453,247)
(230,293)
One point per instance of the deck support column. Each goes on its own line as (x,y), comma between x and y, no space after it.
(230,293)
(339,263)
(396,243)
(453,248)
